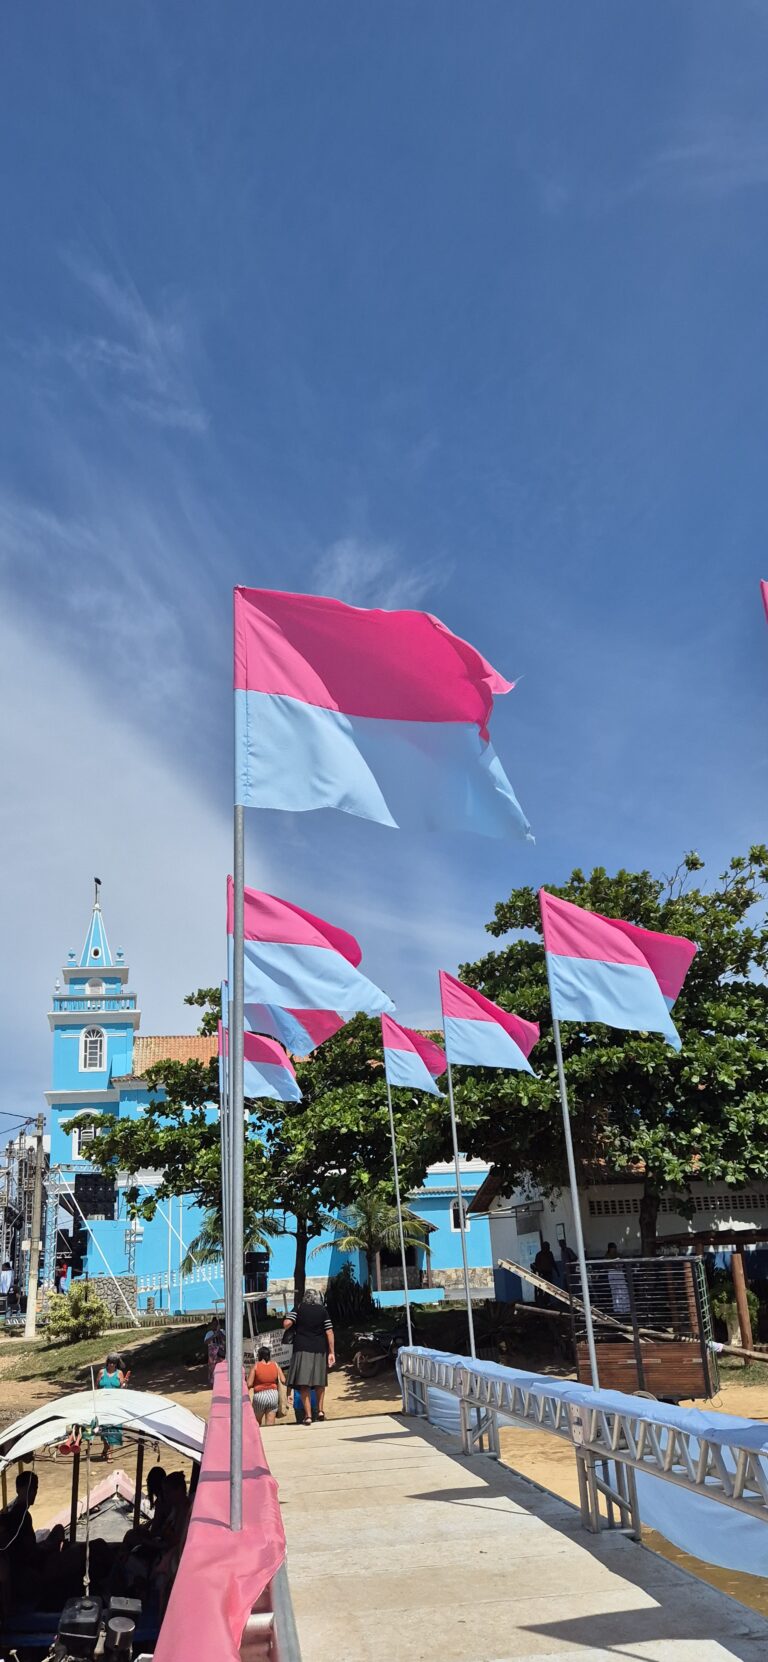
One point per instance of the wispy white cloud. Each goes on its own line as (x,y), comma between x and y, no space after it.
(85,792)
(715,158)
(142,356)
(367,573)
(104,582)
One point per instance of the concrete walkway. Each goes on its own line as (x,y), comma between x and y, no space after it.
(401,1550)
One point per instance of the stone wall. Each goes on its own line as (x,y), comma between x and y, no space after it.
(103,1287)
(277,1285)
(480,1275)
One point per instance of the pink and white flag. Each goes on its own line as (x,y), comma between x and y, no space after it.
(380,714)
(411,1060)
(478,1033)
(300,962)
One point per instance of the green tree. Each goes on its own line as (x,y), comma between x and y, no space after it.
(702,1112)
(370,1226)
(207,1246)
(302,1160)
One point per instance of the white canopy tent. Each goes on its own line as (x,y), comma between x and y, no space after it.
(140,1413)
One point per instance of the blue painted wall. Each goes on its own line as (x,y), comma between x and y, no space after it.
(109,1237)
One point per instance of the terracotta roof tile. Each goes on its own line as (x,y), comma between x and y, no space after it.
(172,1047)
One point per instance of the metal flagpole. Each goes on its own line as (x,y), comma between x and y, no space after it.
(181,1253)
(237,1131)
(580,1253)
(170,1244)
(226,1210)
(465,1260)
(399,1214)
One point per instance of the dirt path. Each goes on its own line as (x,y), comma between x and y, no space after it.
(536,1455)
(346,1397)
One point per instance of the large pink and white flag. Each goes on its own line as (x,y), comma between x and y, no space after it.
(606,970)
(300,962)
(478,1033)
(380,714)
(764,593)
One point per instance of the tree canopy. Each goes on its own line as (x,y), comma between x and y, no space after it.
(702,1112)
(302,1159)
(635,1103)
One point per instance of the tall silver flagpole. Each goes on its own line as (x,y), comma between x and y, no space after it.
(399,1213)
(465,1260)
(225,1171)
(580,1253)
(237,1135)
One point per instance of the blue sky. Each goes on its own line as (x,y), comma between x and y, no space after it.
(439,305)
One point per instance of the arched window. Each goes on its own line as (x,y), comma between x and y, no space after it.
(94,989)
(92,1050)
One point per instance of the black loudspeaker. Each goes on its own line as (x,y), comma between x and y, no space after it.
(95,1195)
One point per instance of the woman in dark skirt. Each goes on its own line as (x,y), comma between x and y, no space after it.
(313,1352)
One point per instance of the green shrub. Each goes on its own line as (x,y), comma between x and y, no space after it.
(76,1315)
(348,1302)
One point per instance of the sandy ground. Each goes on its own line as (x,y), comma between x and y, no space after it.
(550,1463)
(536,1455)
(347,1396)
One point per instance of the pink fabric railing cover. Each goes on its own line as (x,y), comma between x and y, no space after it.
(221,1576)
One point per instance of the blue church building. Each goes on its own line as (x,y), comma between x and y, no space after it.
(99,1064)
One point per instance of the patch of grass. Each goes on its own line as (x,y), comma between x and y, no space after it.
(41,1360)
(731,1373)
(153,1362)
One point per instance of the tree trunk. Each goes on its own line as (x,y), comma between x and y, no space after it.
(371,1261)
(649,1213)
(300,1267)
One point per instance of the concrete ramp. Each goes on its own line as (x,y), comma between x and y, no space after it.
(402,1550)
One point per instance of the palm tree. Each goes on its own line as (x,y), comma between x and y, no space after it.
(370,1226)
(208,1244)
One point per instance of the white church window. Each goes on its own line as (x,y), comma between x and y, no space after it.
(456,1219)
(92,1050)
(94,989)
(80,1140)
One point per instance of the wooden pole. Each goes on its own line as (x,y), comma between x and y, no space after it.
(742,1306)
(139,1483)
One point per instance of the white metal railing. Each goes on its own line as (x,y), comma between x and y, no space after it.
(605,1429)
(159,1282)
(64,1002)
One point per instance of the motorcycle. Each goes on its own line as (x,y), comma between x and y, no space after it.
(378,1350)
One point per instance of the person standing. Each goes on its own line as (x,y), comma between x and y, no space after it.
(313,1351)
(617,1282)
(6,1285)
(111,1378)
(215,1348)
(264,1378)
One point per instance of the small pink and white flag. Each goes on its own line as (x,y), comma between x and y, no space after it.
(299,962)
(478,1033)
(267,1070)
(411,1060)
(606,970)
